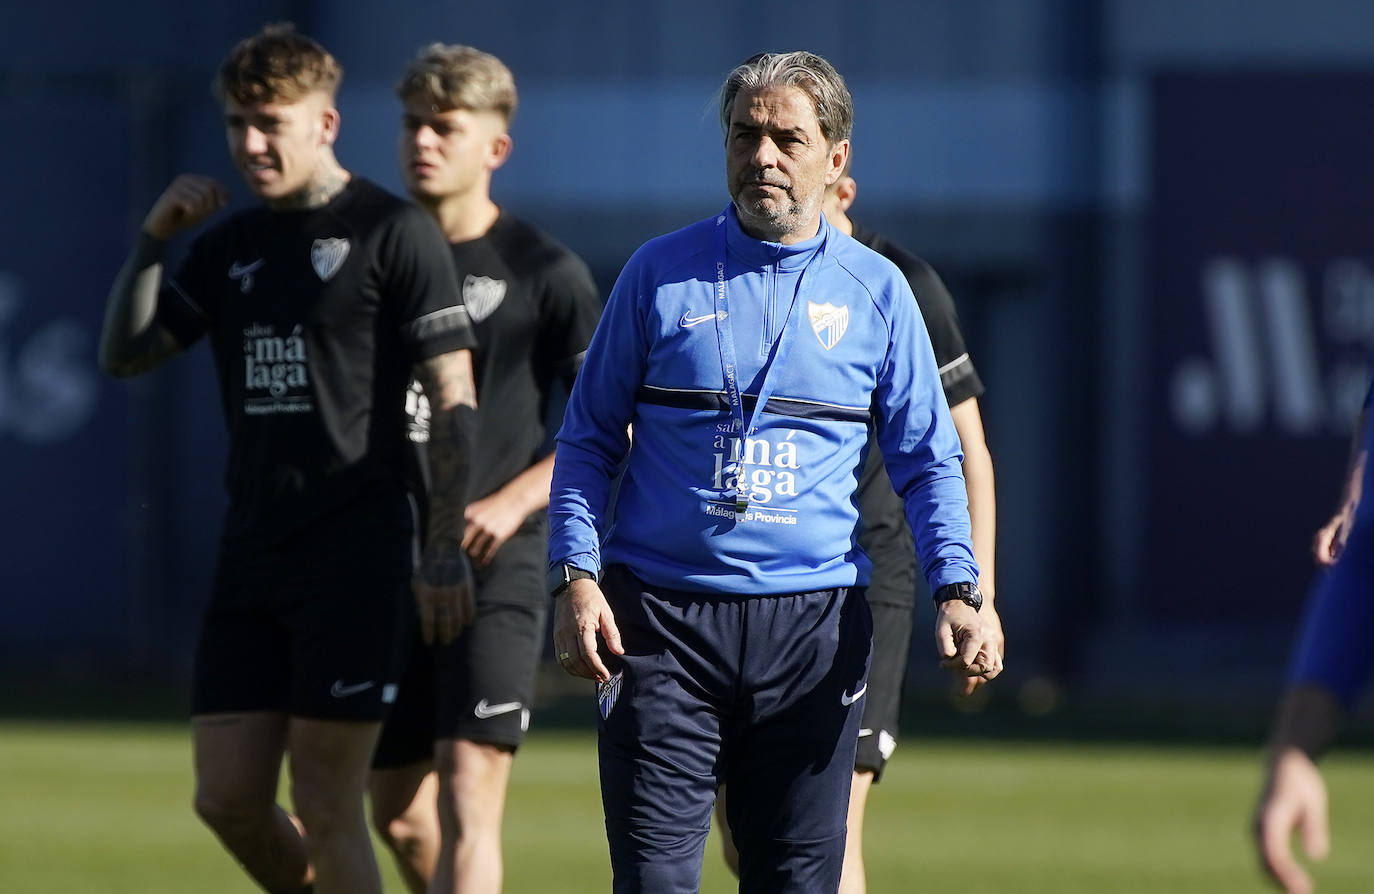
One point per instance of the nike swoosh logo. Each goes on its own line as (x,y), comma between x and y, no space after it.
(687,321)
(339,690)
(483,710)
(238,271)
(846,699)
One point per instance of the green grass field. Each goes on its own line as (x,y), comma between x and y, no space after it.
(105,808)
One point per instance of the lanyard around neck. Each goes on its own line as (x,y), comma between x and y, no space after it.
(738,495)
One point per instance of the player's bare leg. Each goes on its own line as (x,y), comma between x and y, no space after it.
(405,816)
(472,801)
(852,878)
(330,760)
(237,764)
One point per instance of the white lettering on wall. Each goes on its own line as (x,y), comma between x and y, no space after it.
(47,380)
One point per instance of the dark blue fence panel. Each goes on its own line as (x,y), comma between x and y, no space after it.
(65,432)
(1260,305)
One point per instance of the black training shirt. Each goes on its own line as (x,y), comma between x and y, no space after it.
(957,375)
(316,319)
(533,306)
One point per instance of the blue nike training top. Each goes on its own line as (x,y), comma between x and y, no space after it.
(854,350)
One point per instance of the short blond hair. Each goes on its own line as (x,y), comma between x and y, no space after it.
(278,64)
(453,76)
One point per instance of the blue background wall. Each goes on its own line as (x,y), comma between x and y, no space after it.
(1075,169)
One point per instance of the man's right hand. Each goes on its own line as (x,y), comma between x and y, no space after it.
(580,613)
(187,201)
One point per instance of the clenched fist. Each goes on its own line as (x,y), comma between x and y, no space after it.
(188,200)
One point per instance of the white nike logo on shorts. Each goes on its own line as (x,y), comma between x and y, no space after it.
(339,690)
(483,710)
(239,271)
(687,322)
(846,699)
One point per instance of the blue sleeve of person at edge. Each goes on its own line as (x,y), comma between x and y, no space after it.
(1335,647)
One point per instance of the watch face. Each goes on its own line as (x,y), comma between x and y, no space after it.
(965,592)
(560,576)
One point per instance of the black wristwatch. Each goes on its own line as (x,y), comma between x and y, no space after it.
(562,574)
(964,591)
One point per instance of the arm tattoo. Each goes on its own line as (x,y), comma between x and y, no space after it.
(447,381)
(131,339)
(157,346)
(447,565)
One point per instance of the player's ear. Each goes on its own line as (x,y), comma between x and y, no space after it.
(846,190)
(329,125)
(499,151)
(839,160)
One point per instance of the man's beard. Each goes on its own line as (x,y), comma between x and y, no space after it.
(780,217)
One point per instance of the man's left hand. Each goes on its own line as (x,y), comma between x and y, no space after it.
(969,642)
(443,590)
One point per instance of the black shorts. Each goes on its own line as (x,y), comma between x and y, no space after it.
(886,674)
(891,596)
(480,686)
(324,641)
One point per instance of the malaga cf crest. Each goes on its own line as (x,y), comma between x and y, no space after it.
(327,256)
(608,693)
(828,322)
(482,295)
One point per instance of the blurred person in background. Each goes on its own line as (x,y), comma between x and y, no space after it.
(464,707)
(1330,539)
(1330,667)
(886,537)
(320,304)
(750,351)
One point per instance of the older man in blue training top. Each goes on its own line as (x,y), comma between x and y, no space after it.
(749,352)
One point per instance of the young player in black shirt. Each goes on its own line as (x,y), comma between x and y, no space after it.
(319,306)
(534,306)
(886,537)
